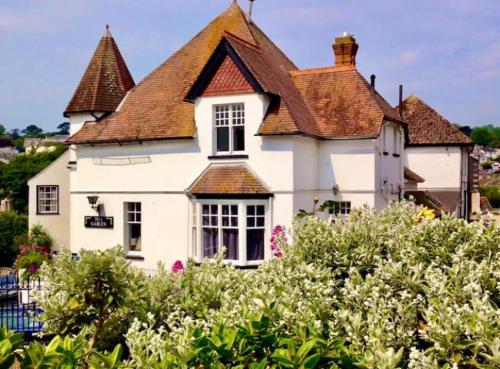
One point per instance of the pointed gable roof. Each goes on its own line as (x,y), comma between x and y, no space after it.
(427,127)
(156,108)
(105,82)
(228,79)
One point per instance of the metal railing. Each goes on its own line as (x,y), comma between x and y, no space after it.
(18,310)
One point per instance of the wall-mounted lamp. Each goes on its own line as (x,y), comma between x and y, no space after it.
(335,189)
(93,203)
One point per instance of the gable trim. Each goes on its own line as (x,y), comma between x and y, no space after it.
(213,64)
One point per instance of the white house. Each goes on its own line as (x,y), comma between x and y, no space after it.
(438,167)
(223,141)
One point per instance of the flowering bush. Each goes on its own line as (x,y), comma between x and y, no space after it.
(385,290)
(34,250)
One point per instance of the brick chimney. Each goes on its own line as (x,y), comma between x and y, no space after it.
(345,49)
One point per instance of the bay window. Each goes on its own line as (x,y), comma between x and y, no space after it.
(229,122)
(237,225)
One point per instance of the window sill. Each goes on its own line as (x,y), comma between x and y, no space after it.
(225,157)
(47,213)
(134,257)
(237,266)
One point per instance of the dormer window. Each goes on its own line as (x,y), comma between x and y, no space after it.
(229,122)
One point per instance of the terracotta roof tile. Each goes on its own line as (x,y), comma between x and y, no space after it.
(427,127)
(228,179)
(343,103)
(227,80)
(105,81)
(410,175)
(326,103)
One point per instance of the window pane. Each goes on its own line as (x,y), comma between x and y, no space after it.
(250,222)
(225,209)
(261,209)
(223,139)
(205,220)
(206,209)
(230,241)
(213,221)
(255,244)
(225,221)
(251,210)
(260,222)
(234,221)
(210,239)
(214,209)
(239,138)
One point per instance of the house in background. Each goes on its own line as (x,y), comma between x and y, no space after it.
(222,142)
(437,161)
(43,144)
(49,202)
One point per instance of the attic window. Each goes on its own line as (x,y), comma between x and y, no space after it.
(229,122)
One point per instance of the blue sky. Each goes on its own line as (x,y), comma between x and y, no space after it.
(446,51)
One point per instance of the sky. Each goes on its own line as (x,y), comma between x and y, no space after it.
(445,51)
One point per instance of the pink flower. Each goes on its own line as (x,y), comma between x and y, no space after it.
(177,267)
(278,254)
(274,246)
(277,230)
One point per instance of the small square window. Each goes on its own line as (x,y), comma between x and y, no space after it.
(48,199)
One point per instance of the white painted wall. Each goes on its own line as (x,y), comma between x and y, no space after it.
(157,174)
(58,225)
(440,166)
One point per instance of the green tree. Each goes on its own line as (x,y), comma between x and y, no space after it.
(2,130)
(15,175)
(63,128)
(12,225)
(32,131)
(487,135)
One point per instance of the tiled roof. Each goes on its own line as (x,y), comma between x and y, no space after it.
(427,127)
(425,198)
(410,175)
(228,179)
(156,107)
(227,80)
(332,102)
(105,82)
(343,102)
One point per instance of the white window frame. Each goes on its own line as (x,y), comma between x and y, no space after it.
(196,237)
(232,122)
(51,196)
(345,208)
(128,222)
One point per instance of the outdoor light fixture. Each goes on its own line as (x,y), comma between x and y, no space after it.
(93,202)
(335,189)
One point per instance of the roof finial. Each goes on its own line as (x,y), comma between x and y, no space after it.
(107,33)
(250,9)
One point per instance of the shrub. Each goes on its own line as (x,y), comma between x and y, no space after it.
(492,193)
(385,290)
(12,225)
(96,296)
(34,250)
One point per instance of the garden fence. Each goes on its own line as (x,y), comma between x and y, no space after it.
(18,311)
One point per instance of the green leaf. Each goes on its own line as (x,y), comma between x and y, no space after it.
(311,361)
(305,348)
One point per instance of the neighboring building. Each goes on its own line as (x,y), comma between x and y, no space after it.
(222,142)
(45,144)
(439,154)
(49,202)
(7,150)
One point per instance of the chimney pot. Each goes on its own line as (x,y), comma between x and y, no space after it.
(372,80)
(345,49)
